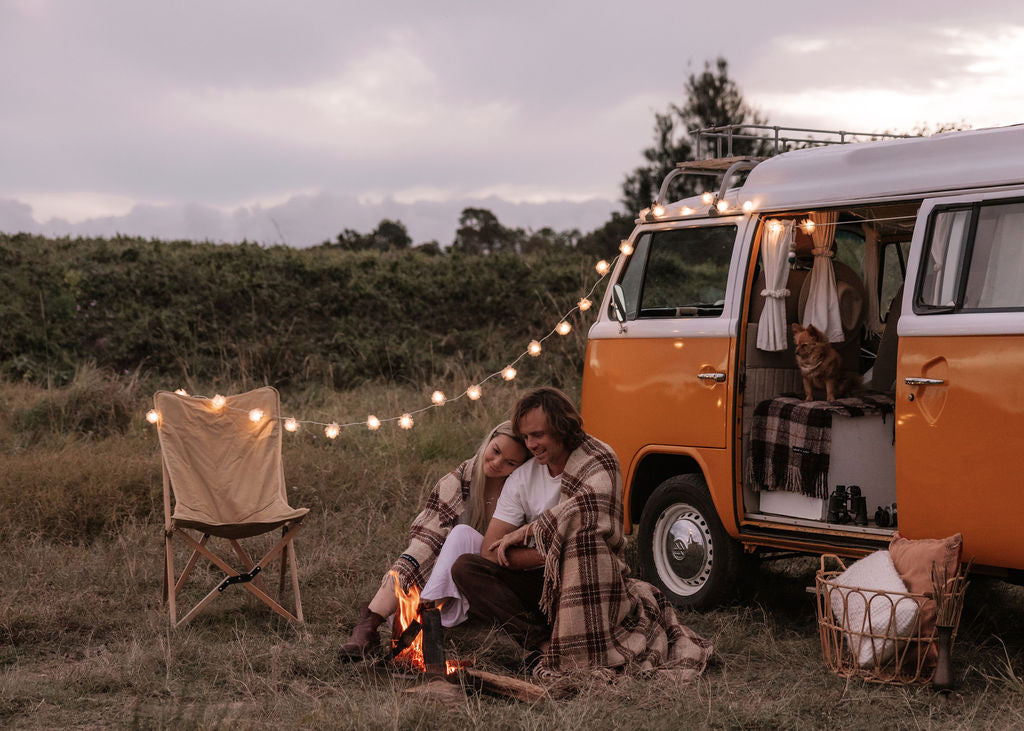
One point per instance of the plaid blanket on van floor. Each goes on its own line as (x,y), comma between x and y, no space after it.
(790,440)
(430,528)
(602,618)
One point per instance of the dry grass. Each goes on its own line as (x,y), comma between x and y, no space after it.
(84,640)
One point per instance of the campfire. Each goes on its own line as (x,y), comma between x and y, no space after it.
(417,638)
(417,645)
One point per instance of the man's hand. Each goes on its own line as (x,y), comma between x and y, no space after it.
(518,537)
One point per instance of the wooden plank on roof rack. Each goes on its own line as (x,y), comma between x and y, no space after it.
(718,164)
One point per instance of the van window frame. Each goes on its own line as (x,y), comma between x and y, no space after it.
(966,258)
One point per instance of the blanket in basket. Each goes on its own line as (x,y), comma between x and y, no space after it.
(790,440)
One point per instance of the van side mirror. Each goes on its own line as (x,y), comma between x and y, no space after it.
(619,307)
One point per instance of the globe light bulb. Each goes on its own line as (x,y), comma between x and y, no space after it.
(722,206)
(291,424)
(807,225)
(533,348)
(626,248)
(406,421)
(706,198)
(658,211)
(218,402)
(748,206)
(437,398)
(685,211)
(602,267)
(474,393)
(584,304)
(774,226)
(563,328)
(372,423)
(332,430)
(508,373)
(152,416)
(255,415)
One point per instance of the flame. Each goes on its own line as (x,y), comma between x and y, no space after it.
(408,610)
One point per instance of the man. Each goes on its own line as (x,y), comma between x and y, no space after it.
(568,597)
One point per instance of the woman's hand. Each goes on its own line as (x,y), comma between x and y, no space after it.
(518,537)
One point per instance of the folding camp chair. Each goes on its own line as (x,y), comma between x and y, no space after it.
(223,464)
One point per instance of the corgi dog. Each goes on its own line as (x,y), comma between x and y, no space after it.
(820,364)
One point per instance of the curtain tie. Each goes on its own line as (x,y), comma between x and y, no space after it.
(775,293)
(823,252)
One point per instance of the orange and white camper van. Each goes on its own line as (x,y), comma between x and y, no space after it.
(908,254)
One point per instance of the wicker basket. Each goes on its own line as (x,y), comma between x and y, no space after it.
(892,654)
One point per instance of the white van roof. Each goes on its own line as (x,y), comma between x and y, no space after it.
(863,171)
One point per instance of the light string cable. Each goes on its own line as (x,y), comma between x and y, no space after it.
(438,399)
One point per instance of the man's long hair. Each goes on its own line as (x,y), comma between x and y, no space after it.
(563,418)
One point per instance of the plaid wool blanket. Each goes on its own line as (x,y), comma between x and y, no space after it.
(790,440)
(431,527)
(602,618)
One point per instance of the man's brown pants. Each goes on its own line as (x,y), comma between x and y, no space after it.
(509,597)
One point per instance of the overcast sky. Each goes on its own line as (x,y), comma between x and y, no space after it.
(288,121)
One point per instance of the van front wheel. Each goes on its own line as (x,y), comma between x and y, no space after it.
(684,549)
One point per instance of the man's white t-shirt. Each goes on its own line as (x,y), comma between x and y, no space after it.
(528,492)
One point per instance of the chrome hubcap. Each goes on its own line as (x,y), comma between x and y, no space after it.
(683,551)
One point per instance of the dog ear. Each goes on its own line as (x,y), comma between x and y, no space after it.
(797,327)
(815,333)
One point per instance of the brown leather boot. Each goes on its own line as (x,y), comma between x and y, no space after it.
(364,641)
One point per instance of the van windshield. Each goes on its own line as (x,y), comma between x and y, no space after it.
(679,273)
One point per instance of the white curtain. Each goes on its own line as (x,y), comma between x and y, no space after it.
(771,330)
(822,307)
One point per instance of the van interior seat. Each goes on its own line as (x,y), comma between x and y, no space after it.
(883,375)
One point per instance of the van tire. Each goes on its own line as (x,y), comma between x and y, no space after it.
(708,576)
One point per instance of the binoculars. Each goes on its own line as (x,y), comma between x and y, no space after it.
(843,501)
(884,518)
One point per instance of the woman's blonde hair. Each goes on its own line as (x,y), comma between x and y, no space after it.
(477,510)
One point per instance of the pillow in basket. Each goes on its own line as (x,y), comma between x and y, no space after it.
(869,604)
(914,560)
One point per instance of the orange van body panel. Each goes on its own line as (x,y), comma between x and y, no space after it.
(638,393)
(960,444)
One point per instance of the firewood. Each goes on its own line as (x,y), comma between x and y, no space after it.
(502,686)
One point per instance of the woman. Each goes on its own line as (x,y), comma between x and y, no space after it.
(452,523)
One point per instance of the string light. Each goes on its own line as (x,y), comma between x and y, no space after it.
(722,206)
(406,421)
(807,225)
(706,198)
(626,248)
(658,211)
(748,206)
(685,211)
(774,226)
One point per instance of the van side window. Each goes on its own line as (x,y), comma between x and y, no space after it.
(975,259)
(679,273)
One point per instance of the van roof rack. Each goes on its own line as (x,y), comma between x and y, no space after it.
(720,158)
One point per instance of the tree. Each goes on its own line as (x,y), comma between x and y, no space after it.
(391,235)
(604,241)
(712,100)
(480,232)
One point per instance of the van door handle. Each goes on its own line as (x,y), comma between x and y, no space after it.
(716,377)
(923,381)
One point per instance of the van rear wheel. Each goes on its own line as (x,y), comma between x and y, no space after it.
(684,549)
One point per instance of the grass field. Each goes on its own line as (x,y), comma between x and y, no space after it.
(85,643)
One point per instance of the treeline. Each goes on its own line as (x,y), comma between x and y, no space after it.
(185,311)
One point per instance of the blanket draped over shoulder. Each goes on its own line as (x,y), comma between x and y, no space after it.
(444,507)
(602,618)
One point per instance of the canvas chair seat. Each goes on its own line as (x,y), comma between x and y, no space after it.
(225,472)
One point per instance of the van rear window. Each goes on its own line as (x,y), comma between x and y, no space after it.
(678,273)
